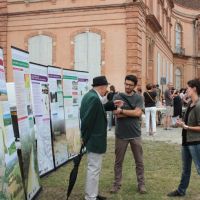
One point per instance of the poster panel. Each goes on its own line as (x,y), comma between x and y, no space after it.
(11,186)
(40,98)
(72,103)
(21,73)
(57,115)
(83,85)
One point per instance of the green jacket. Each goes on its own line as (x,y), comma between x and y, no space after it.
(194,120)
(94,122)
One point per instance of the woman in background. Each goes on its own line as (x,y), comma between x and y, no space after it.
(150,109)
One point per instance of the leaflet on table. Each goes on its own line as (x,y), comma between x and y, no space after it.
(21,74)
(57,115)
(41,111)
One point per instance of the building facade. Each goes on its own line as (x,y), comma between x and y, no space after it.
(154,39)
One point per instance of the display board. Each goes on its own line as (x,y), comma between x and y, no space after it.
(75,85)
(11,186)
(41,111)
(21,74)
(57,115)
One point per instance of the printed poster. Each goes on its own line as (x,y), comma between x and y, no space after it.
(83,85)
(41,111)
(71,104)
(11,186)
(21,73)
(57,115)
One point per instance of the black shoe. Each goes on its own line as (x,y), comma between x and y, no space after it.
(99,197)
(175,193)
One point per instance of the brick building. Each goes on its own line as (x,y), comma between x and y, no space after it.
(149,38)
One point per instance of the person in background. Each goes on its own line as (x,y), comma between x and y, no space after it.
(169,109)
(110,96)
(128,131)
(190,138)
(150,109)
(94,133)
(177,107)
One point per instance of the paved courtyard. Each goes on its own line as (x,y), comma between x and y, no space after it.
(170,136)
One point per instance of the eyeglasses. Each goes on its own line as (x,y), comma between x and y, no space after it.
(130,85)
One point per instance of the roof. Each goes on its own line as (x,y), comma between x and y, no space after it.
(193,4)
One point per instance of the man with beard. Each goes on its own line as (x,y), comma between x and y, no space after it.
(128,131)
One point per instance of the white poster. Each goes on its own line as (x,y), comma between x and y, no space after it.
(57,115)
(40,98)
(10,175)
(72,104)
(21,73)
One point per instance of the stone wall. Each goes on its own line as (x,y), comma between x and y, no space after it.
(3,28)
(135,22)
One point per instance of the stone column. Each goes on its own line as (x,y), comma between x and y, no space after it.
(135,22)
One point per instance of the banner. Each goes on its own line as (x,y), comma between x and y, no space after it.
(75,85)
(11,186)
(57,115)
(21,73)
(40,97)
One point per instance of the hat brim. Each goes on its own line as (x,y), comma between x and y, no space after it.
(94,85)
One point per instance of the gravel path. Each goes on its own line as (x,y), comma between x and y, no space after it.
(169,136)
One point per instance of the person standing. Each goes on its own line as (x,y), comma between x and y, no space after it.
(94,133)
(169,109)
(110,96)
(177,107)
(150,109)
(128,131)
(190,138)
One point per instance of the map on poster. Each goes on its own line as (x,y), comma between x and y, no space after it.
(11,186)
(75,85)
(21,73)
(40,97)
(57,115)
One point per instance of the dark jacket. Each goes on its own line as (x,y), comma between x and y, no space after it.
(94,122)
(194,120)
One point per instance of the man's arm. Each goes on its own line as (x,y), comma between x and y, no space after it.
(137,112)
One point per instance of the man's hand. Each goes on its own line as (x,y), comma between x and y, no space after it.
(118,103)
(181,124)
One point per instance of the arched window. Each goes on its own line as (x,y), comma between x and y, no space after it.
(40,49)
(178,38)
(178,78)
(88,53)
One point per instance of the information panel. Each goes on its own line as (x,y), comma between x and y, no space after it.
(40,98)
(75,85)
(11,186)
(21,73)
(57,115)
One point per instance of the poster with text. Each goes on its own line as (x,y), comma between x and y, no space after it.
(57,115)
(40,98)
(11,186)
(21,73)
(83,85)
(71,104)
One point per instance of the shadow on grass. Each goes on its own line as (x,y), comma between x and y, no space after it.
(162,175)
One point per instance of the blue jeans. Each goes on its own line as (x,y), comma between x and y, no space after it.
(189,153)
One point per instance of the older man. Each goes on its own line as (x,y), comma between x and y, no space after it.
(94,133)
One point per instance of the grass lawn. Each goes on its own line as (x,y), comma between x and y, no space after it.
(162,174)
